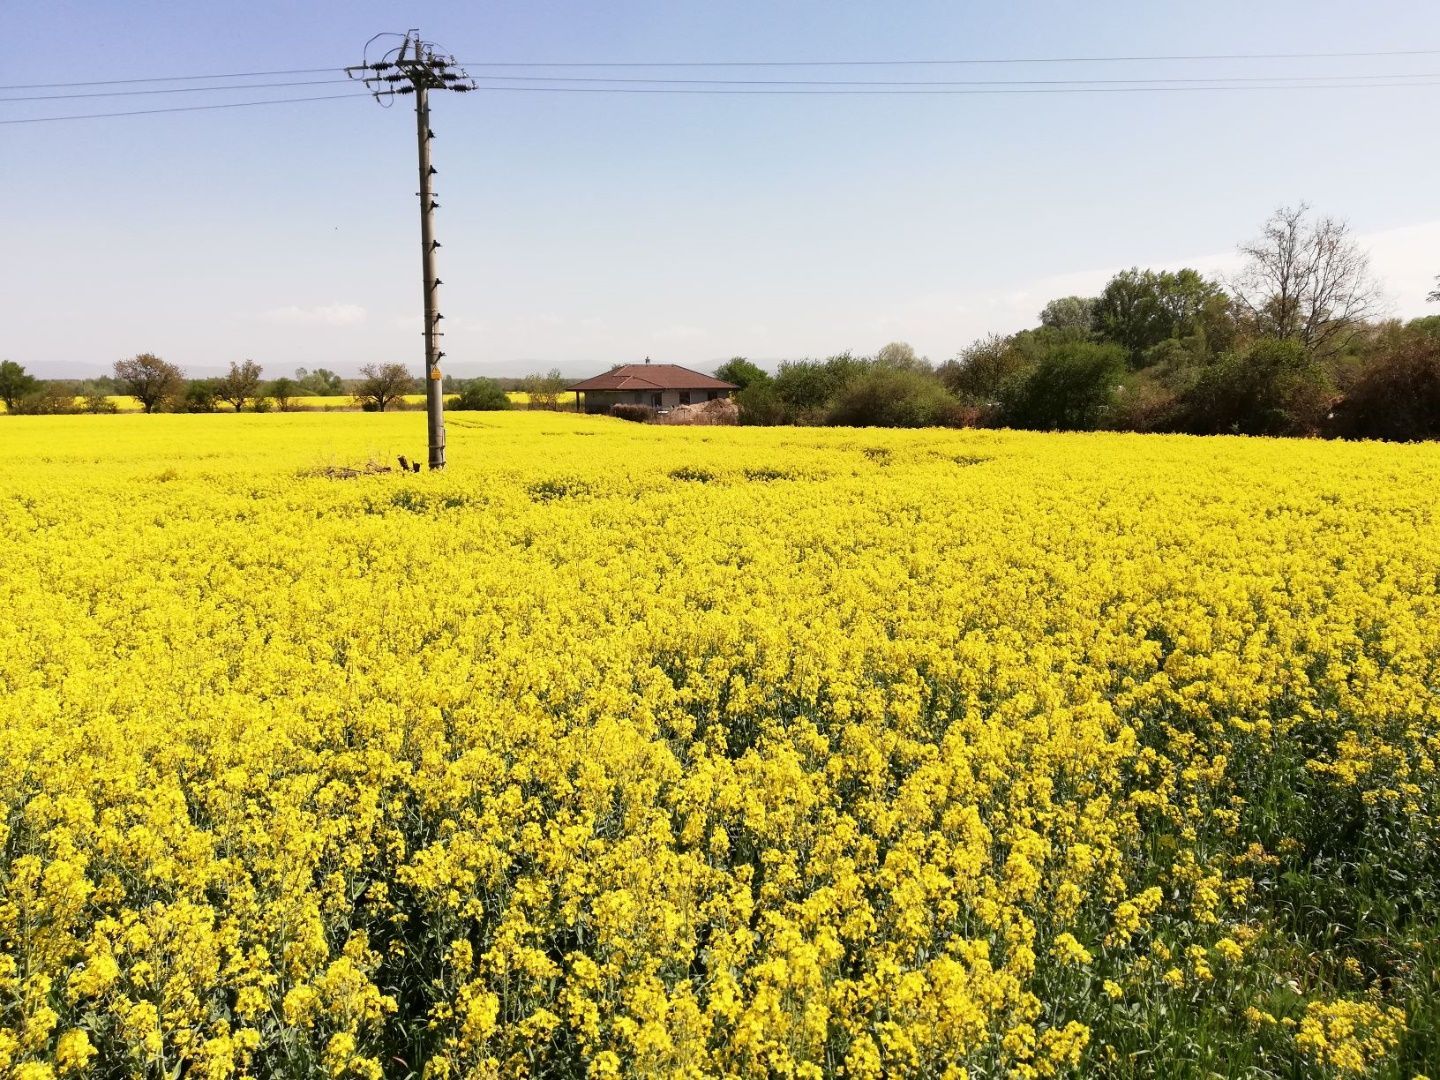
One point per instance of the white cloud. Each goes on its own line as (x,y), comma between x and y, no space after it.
(320,315)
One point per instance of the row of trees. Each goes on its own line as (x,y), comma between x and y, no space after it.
(160,386)
(1291,345)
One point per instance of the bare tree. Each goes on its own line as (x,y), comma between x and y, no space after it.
(382,385)
(240,385)
(1306,280)
(149,380)
(1434,296)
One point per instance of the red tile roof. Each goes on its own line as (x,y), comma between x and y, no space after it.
(652,377)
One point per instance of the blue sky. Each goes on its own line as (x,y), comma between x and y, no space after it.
(582,230)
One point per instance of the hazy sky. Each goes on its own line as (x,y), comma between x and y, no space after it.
(582,230)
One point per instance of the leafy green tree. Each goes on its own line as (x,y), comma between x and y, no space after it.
(201,395)
(1072,315)
(322,382)
(480,395)
(240,384)
(381,385)
(982,369)
(901,355)
(808,387)
(15,383)
(1069,388)
(741,372)
(149,380)
(284,390)
(1139,309)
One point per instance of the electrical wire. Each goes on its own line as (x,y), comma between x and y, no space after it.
(940,92)
(1177,57)
(965,60)
(1218,79)
(172,90)
(176,78)
(182,108)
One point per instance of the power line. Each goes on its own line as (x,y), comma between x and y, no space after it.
(942,92)
(172,90)
(176,78)
(873,90)
(181,108)
(965,60)
(1218,79)
(1176,57)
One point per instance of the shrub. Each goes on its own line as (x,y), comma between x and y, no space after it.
(1142,403)
(892,397)
(1397,395)
(809,387)
(1273,388)
(641,414)
(480,395)
(201,396)
(48,399)
(1069,388)
(760,405)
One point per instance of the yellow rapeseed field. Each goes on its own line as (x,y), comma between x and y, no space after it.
(652,751)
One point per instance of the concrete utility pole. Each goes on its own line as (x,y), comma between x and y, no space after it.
(417,69)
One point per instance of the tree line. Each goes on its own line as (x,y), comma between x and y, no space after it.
(1291,345)
(161,386)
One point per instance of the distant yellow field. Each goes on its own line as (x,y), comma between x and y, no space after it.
(339,402)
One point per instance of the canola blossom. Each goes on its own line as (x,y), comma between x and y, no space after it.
(618,750)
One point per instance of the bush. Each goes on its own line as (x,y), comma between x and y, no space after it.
(1273,388)
(1142,403)
(892,397)
(981,370)
(49,399)
(97,403)
(1069,388)
(760,405)
(641,414)
(809,387)
(480,395)
(201,396)
(1397,395)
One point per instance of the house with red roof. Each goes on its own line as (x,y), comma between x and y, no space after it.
(660,386)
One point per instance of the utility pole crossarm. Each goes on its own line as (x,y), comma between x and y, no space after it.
(416,68)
